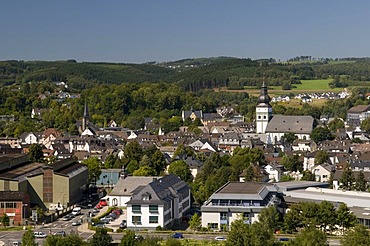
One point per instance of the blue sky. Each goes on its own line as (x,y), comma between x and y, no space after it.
(135,31)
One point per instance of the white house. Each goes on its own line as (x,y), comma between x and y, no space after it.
(322,172)
(29,138)
(160,203)
(274,171)
(124,188)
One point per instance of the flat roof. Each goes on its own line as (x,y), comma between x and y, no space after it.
(296,185)
(352,199)
(242,188)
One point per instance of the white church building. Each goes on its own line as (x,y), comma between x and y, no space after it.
(275,126)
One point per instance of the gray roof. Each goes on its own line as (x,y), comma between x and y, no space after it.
(160,191)
(126,186)
(351,198)
(359,109)
(299,185)
(244,190)
(287,123)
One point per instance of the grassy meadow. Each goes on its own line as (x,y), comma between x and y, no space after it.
(307,86)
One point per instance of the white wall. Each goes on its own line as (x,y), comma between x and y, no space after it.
(145,217)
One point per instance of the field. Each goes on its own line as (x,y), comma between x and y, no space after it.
(307,86)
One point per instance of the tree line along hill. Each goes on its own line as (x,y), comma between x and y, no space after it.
(189,74)
(126,93)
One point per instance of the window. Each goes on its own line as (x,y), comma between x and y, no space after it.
(153,219)
(136,208)
(9,205)
(153,208)
(114,202)
(223,216)
(136,220)
(213,226)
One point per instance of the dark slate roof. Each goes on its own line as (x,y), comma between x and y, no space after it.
(295,124)
(198,113)
(161,191)
(211,116)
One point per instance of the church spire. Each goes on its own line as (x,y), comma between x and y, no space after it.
(85,118)
(264,98)
(86,111)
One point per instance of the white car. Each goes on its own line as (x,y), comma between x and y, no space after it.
(40,234)
(219,238)
(76,223)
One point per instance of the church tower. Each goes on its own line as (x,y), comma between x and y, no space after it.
(263,110)
(85,118)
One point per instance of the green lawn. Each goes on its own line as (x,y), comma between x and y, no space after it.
(307,86)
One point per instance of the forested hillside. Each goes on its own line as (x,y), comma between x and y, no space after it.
(127,93)
(190,74)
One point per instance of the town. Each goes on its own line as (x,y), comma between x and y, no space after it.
(283,161)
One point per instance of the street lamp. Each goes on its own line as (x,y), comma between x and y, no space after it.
(23,211)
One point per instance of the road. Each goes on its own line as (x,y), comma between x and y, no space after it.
(8,237)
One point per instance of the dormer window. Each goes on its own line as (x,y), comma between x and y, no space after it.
(146,196)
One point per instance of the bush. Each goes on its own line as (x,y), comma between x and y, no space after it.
(120,230)
(159,228)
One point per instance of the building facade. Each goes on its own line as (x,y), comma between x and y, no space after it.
(236,200)
(160,203)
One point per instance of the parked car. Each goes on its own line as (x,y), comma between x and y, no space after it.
(60,233)
(112,216)
(220,238)
(100,224)
(105,220)
(283,239)
(68,217)
(40,234)
(118,211)
(177,235)
(103,202)
(76,211)
(123,224)
(76,223)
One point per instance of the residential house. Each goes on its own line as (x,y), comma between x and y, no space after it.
(12,142)
(125,187)
(323,172)
(304,145)
(192,114)
(162,202)
(29,138)
(357,114)
(228,142)
(338,175)
(274,171)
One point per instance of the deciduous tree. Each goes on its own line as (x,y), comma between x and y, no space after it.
(35,153)
(181,169)
(100,238)
(310,236)
(360,236)
(94,166)
(28,239)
